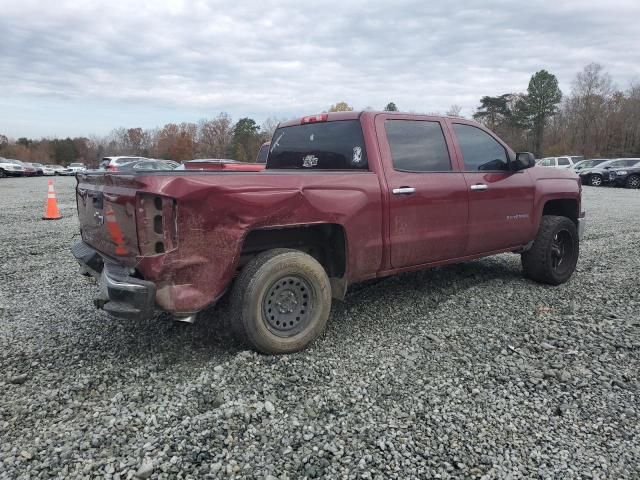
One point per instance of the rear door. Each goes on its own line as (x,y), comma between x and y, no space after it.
(428,200)
(500,200)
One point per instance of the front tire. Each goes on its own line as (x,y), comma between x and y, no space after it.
(595,180)
(553,257)
(633,181)
(281,301)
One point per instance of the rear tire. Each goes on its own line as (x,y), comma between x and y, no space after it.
(2,173)
(595,180)
(281,301)
(553,257)
(633,181)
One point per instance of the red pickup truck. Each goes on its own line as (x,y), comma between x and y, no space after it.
(344,197)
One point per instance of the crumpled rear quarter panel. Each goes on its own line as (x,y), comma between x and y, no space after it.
(215,211)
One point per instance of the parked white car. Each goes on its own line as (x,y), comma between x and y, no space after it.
(56,169)
(48,170)
(72,169)
(559,162)
(11,168)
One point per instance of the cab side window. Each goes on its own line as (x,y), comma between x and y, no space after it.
(479,149)
(417,146)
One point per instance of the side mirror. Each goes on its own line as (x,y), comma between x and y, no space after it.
(523,160)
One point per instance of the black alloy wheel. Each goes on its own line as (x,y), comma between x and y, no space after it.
(562,252)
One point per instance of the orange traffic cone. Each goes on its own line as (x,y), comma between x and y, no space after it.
(51,212)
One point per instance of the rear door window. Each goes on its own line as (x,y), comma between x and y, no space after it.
(479,149)
(337,145)
(563,161)
(417,146)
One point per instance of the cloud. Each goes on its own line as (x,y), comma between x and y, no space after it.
(196,58)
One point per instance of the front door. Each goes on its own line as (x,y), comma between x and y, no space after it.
(500,200)
(428,200)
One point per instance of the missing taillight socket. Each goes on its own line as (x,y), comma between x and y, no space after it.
(157,224)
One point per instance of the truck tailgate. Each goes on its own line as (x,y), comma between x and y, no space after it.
(107,214)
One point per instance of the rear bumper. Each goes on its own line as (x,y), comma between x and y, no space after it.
(121,295)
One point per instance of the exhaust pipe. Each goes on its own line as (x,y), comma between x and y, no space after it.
(186,319)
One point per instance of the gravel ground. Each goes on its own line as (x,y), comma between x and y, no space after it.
(468,371)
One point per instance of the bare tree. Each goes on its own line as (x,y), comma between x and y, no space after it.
(454,111)
(269,126)
(215,136)
(592,89)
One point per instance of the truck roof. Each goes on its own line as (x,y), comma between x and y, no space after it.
(354,115)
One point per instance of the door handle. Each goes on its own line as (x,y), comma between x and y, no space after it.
(404,190)
(479,187)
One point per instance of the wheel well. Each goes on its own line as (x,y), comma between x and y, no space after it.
(563,208)
(325,242)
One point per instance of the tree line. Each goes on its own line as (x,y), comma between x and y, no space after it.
(217,137)
(595,119)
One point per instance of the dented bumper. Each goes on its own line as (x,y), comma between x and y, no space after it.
(120,293)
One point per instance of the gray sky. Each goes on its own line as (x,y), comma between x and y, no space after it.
(77,68)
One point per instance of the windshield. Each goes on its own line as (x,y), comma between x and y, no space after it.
(76,165)
(337,145)
(263,153)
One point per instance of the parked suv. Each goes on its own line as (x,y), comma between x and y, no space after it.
(558,162)
(626,176)
(11,168)
(112,163)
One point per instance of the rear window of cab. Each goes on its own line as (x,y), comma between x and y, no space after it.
(336,145)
